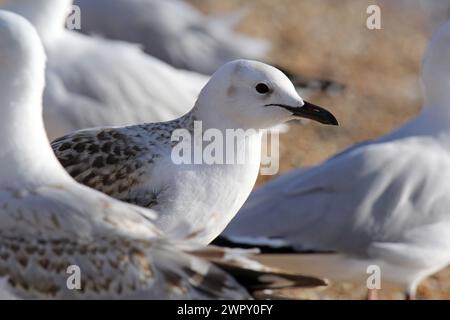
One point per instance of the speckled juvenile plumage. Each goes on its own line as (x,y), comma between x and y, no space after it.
(118,250)
(117,161)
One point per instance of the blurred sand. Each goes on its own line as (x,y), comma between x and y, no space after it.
(328,38)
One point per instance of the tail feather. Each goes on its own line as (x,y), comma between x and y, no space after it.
(246,268)
(263,245)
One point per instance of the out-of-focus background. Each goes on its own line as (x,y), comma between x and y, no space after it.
(380,69)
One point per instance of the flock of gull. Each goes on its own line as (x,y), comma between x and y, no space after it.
(104,195)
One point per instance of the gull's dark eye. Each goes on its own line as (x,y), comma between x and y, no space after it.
(262,88)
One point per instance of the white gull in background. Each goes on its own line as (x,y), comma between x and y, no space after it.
(173,31)
(384,202)
(95,82)
(135,164)
(49,222)
(179,34)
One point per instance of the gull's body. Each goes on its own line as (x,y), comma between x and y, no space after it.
(135,164)
(172,31)
(94,82)
(52,228)
(385,202)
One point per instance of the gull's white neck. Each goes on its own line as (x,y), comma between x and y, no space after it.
(212,118)
(47,16)
(235,135)
(25,153)
(431,122)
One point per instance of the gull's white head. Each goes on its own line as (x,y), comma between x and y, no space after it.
(47,16)
(436,69)
(253,95)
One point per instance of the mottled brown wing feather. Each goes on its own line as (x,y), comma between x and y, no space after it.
(106,160)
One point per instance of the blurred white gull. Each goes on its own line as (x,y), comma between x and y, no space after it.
(136,164)
(94,82)
(173,31)
(49,222)
(179,34)
(385,202)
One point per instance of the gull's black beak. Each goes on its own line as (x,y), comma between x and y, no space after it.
(316,113)
(311,111)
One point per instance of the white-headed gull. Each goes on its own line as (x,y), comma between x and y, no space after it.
(136,164)
(95,82)
(384,202)
(52,228)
